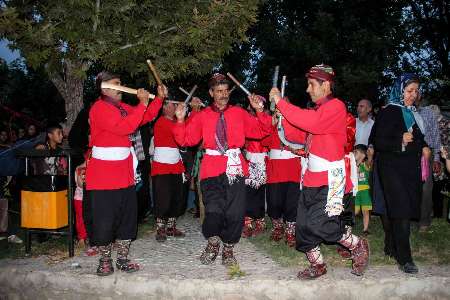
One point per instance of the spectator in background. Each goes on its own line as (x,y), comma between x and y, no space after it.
(433,139)
(441,177)
(12,135)
(51,165)
(4,139)
(31,131)
(399,142)
(363,200)
(21,133)
(363,123)
(445,155)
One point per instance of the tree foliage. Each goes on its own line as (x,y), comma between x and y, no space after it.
(426,46)
(29,92)
(358,38)
(68,37)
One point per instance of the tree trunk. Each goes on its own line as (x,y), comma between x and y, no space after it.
(70,86)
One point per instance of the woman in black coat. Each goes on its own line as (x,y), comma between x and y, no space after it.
(399,142)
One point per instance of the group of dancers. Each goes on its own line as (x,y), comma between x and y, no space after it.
(246,162)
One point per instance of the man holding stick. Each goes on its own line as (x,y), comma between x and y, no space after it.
(167,173)
(321,201)
(223,129)
(110,172)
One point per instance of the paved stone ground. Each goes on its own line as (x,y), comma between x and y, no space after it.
(177,258)
(173,264)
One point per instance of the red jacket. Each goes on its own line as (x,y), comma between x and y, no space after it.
(110,129)
(351,130)
(327,125)
(284,170)
(163,137)
(255,146)
(202,126)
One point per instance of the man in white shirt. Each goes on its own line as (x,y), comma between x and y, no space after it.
(363,123)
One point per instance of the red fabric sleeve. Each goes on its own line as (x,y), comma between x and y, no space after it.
(189,133)
(152,110)
(351,131)
(257,127)
(111,121)
(314,121)
(292,133)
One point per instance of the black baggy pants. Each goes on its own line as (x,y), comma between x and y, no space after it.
(113,215)
(168,195)
(256,202)
(225,206)
(314,226)
(282,200)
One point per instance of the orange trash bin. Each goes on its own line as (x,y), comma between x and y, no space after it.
(44,203)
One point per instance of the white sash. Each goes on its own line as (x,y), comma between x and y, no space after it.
(281,154)
(115,154)
(255,157)
(111,153)
(166,155)
(256,168)
(234,165)
(336,182)
(353,172)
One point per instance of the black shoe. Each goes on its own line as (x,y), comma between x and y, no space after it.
(409,268)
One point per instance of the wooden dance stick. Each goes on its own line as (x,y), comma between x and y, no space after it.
(121,88)
(154,72)
(239,84)
(187,94)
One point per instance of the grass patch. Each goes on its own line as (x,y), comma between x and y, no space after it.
(55,249)
(428,248)
(235,271)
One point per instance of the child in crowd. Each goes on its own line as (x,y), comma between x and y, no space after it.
(80,173)
(363,201)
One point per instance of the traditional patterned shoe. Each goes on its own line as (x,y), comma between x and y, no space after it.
(228,258)
(211,251)
(105,267)
(260,227)
(172,229)
(92,251)
(161,235)
(248,228)
(343,252)
(126,265)
(175,232)
(277,230)
(360,257)
(289,234)
(313,272)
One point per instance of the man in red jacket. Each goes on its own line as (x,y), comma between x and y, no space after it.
(321,201)
(167,173)
(110,172)
(283,183)
(223,129)
(256,155)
